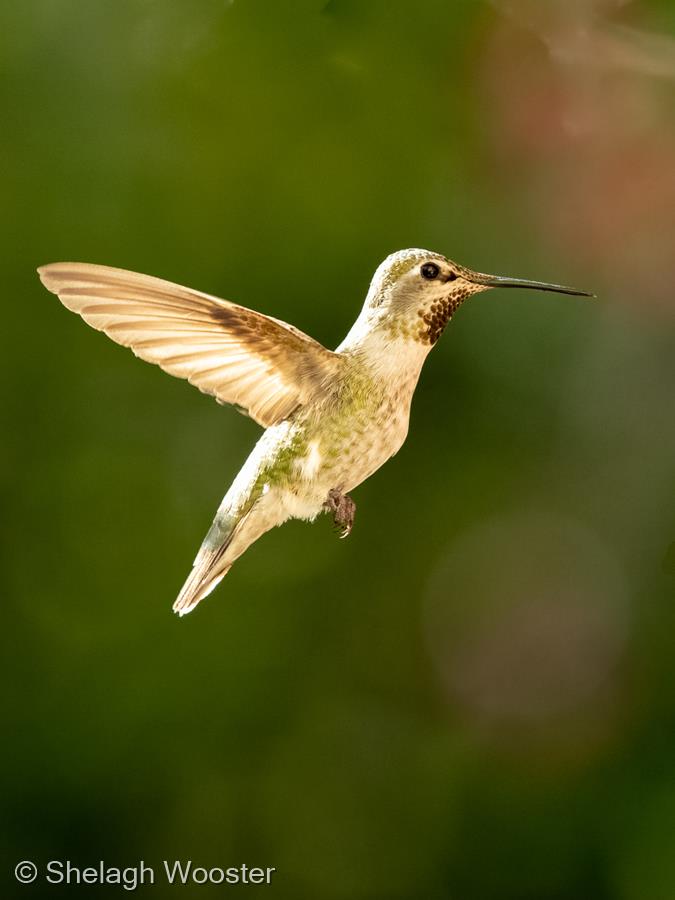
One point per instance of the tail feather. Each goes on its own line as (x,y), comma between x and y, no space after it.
(208,569)
(228,538)
(199,584)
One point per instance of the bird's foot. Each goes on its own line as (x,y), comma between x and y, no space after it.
(343,508)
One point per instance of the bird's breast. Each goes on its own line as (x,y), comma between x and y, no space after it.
(349,439)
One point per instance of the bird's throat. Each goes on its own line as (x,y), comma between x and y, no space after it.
(434,317)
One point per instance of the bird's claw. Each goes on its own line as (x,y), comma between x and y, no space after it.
(344,509)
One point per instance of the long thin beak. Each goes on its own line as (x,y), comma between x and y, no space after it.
(499,281)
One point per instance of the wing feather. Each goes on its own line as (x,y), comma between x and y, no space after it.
(263,365)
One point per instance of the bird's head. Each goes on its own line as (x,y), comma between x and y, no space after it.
(414,293)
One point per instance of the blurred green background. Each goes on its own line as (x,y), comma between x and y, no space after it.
(474,695)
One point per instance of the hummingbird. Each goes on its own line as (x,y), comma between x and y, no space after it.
(331,417)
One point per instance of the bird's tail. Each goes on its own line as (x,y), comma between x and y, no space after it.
(211,564)
(229,536)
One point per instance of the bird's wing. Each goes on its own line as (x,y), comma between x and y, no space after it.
(262,365)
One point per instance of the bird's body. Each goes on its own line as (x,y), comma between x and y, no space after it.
(332,445)
(332,418)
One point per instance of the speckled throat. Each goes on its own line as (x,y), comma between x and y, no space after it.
(435,317)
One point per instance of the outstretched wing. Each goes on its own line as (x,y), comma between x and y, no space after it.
(239,356)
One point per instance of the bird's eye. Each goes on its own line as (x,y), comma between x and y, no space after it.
(430,271)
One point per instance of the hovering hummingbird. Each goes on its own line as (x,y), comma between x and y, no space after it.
(332,418)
